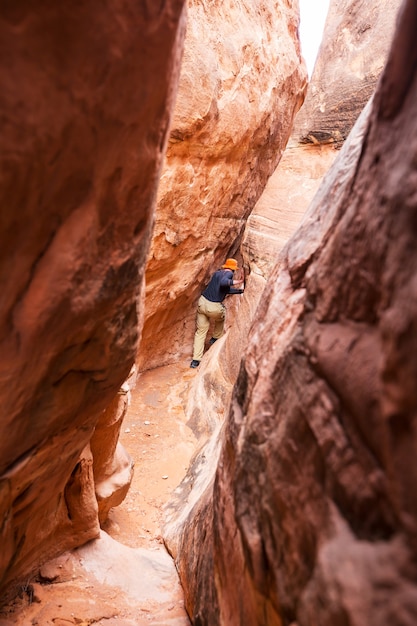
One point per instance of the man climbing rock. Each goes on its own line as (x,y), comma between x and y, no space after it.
(211,307)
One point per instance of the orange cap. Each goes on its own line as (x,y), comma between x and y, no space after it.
(231,264)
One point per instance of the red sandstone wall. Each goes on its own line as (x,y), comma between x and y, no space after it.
(84,128)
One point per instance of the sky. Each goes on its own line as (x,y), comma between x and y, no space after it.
(313,15)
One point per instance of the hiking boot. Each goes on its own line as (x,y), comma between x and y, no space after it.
(213,340)
(194,363)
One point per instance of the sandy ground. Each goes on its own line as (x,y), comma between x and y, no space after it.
(126,578)
(157,438)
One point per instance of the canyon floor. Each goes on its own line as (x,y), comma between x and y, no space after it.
(126,577)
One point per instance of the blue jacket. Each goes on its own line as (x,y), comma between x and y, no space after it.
(220,285)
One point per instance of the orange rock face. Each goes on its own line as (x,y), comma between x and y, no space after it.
(313,514)
(84,126)
(241,83)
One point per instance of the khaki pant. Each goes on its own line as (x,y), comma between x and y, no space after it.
(207,311)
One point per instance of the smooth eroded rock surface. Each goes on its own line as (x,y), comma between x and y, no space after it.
(208,403)
(84,127)
(283,203)
(112,465)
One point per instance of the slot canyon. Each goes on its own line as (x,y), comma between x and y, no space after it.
(143,143)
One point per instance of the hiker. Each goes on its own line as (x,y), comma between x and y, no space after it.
(210,307)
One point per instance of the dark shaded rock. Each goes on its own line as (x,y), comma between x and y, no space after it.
(84,127)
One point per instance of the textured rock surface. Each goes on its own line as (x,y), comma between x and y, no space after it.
(356,41)
(313,514)
(84,126)
(239,91)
